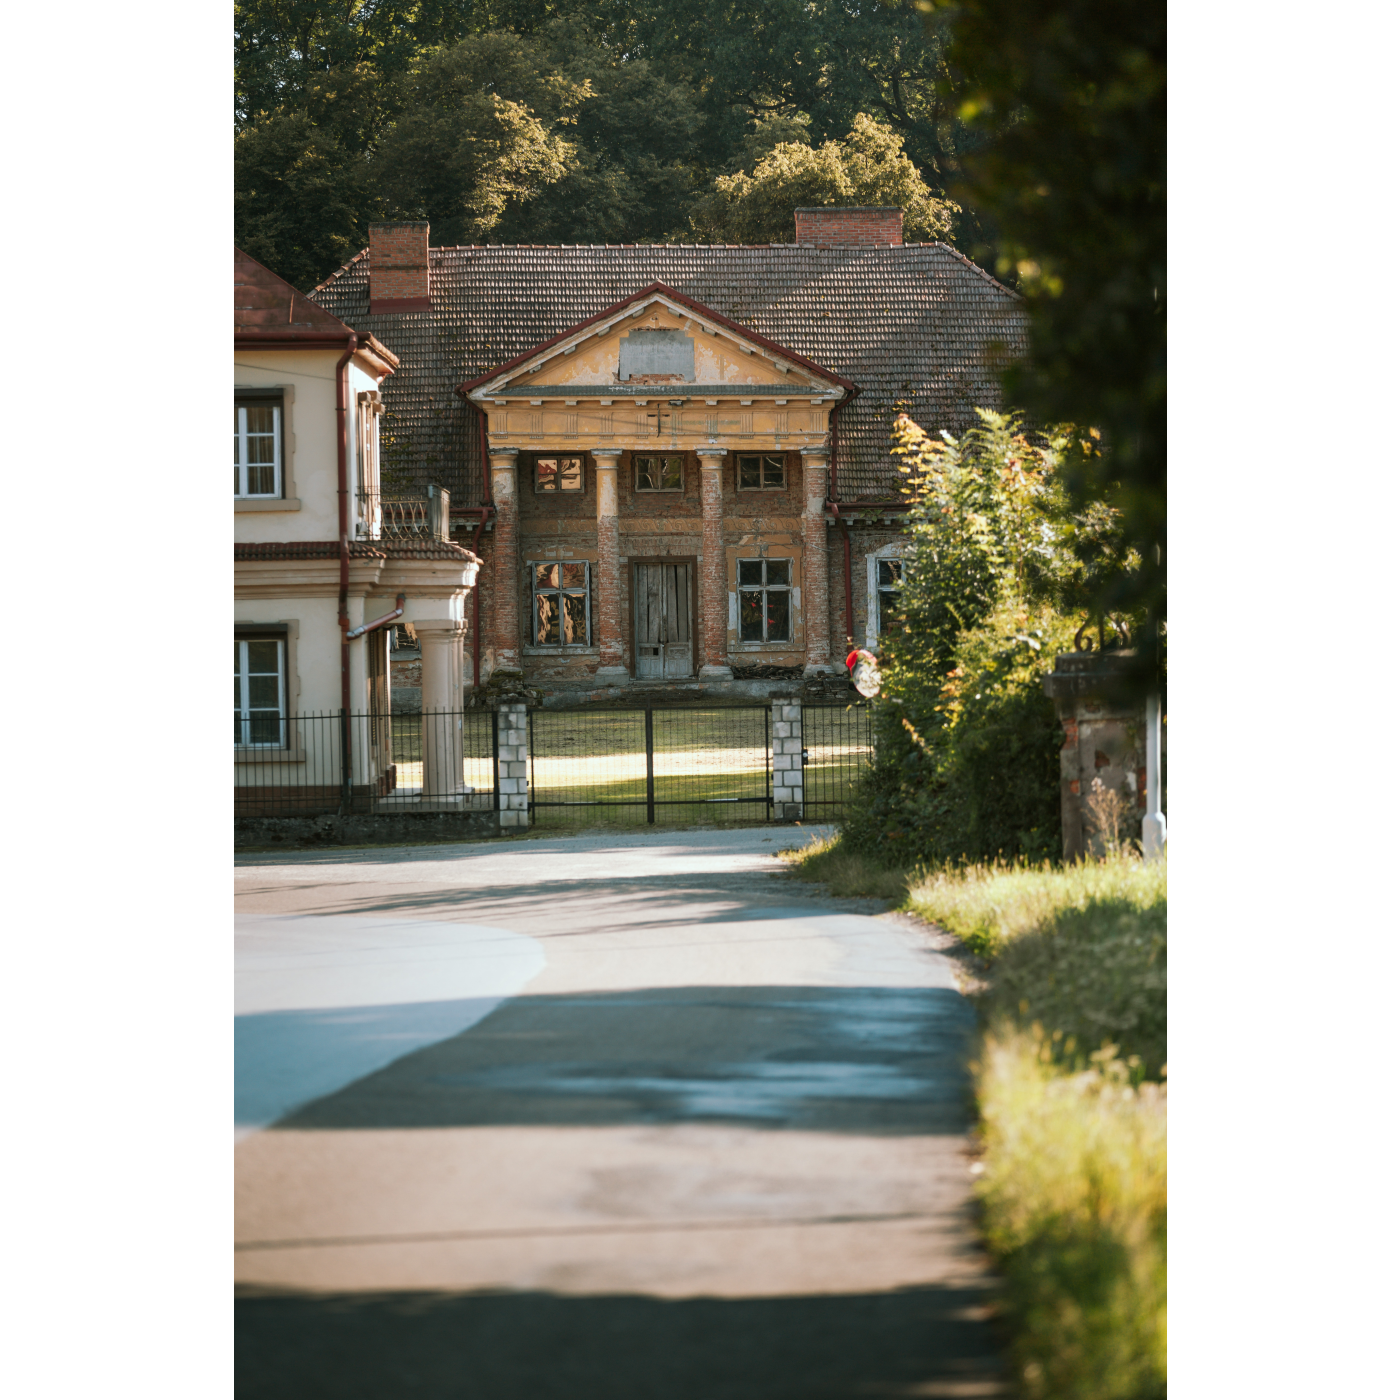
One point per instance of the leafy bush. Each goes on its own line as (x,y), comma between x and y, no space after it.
(967,742)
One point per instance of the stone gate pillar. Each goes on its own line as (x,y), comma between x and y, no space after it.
(787,760)
(1104,740)
(816,607)
(505,561)
(513,765)
(608,588)
(714,586)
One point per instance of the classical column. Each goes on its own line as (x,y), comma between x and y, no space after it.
(816,607)
(608,628)
(505,560)
(441,641)
(714,590)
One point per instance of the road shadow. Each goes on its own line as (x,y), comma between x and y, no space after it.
(870,1060)
(927,1342)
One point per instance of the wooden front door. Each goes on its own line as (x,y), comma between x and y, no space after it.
(665,647)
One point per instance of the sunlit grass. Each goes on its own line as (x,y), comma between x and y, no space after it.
(1070,1083)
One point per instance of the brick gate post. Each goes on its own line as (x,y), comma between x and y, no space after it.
(714,590)
(816,606)
(609,586)
(505,560)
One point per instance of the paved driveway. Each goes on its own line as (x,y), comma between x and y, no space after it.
(597,1117)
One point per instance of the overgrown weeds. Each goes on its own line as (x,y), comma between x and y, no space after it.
(831,862)
(1071,1093)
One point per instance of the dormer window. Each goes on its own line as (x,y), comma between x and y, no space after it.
(257,445)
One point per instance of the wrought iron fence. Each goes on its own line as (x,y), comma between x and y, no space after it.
(836,750)
(438,761)
(407,517)
(643,766)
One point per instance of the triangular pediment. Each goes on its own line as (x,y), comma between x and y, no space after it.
(657,341)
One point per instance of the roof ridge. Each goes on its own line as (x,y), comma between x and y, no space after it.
(981,271)
(341,270)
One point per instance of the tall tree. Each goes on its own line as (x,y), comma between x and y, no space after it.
(1071,96)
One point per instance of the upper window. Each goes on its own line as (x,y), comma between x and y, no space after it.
(764,591)
(559,605)
(659,473)
(762,473)
(257,446)
(889,576)
(558,473)
(259,691)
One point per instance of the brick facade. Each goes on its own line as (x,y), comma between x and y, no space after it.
(398,268)
(868,226)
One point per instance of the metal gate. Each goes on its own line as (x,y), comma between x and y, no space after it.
(836,750)
(644,766)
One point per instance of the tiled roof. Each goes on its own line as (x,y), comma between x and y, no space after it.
(263,304)
(307,549)
(910,325)
(359,549)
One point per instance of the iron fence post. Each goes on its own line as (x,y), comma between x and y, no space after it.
(344,763)
(651,780)
(530,730)
(495,765)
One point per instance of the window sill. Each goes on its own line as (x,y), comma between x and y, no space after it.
(561,651)
(241,503)
(252,755)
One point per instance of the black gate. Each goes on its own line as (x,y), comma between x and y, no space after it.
(673,766)
(836,750)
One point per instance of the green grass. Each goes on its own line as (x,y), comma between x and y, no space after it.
(1071,1095)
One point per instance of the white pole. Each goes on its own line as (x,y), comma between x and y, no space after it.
(1154,824)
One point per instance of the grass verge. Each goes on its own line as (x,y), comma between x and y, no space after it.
(1071,1094)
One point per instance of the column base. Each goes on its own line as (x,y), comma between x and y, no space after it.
(716,673)
(613,673)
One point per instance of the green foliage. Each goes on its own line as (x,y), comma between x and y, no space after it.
(868,167)
(967,743)
(830,860)
(1070,100)
(623,116)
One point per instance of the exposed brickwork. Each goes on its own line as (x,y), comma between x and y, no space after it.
(608,589)
(714,594)
(398,264)
(815,586)
(863,227)
(505,558)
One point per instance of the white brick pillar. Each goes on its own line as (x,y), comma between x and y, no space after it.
(441,641)
(513,770)
(816,608)
(787,760)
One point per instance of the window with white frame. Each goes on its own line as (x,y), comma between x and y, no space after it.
(659,473)
(764,472)
(257,445)
(259,691)
(559,604)
(765,591)
(884,579)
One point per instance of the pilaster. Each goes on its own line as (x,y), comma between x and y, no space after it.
(816,606)
(505,560)
(608,587)
(714,591)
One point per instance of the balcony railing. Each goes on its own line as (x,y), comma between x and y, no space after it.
(423,516)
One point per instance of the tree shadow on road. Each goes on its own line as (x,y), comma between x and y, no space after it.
(927,1342)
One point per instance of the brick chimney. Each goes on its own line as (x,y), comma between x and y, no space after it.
(398,268)
(860,226)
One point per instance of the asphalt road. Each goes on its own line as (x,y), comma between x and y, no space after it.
(597,1116)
